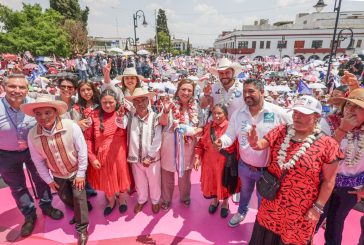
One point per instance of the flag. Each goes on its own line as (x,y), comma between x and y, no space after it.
(303,88)
(32,77)
(42,70)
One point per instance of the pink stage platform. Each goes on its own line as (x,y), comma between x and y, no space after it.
(180,225)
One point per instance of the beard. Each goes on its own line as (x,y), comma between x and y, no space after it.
(226,81)
(251,101)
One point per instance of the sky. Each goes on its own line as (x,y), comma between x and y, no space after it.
(199,20)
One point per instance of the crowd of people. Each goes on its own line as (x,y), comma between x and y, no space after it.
(240,122)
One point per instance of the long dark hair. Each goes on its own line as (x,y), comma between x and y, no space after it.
(124,88)
(107,92)
(95,97)
(223,108)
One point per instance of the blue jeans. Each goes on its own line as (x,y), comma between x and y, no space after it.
(11,170)
(248,179)
(82,75)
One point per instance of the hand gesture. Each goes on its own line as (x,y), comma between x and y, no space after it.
(253,137)
(54,186)
(207,90)
(79,183)
(106,70)
(96,164)
(218,144)
(197,163)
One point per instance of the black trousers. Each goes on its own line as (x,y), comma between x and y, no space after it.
(74,199)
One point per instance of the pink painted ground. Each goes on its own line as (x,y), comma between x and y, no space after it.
(180,225)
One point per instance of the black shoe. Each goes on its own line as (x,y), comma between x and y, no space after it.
(108,210)
(91,193)
(89,206)
(123,208)
(82,239)
(213,208)
(187,202)
(52,212)
(28,226)
(72,221)
(224,212)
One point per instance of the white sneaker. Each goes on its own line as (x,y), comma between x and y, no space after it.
(236,219)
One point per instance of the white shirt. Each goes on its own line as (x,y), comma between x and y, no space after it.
(144,137)
(241,123)
(80,146)
(221,96)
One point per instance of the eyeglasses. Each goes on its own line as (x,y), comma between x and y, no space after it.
(64,87)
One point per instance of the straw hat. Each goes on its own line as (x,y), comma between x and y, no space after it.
(44,101)
(356,97)
(130,72)
(224,64)
(138,93)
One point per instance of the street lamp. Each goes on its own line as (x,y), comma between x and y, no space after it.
(320,5)
(281,45)
(139,14)
(131,42)
(341,36)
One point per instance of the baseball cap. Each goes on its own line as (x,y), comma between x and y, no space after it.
(307,105)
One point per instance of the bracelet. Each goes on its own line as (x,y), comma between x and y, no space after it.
(342,130)
(318,208)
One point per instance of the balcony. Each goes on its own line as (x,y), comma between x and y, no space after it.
(316,50)
(238,50)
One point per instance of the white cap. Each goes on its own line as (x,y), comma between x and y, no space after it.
(307,105)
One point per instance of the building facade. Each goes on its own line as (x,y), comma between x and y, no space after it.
(309,36)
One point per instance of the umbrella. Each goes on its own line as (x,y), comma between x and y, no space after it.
(43,59)
(30,66)
(316,85)
(10,56)
(128,52)
(100,52)
(116,50)
(143,52)
(310,78)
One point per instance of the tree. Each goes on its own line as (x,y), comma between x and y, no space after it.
(188,50)
(70,9)
(164,37)
(75,22)
(33,29)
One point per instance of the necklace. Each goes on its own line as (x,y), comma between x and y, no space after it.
(350,159)
(232,96)
(179,117)
(282,153)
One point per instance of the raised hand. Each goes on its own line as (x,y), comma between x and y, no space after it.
(253,137)
(106,71)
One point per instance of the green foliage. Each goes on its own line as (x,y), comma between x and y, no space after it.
(188,50)
(34,30)
(164,41)
(70,9)
(77,35)
(164,37)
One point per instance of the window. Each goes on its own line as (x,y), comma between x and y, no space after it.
(316,44)
(254,44)
(243,44)
(261,45)
(358,43)
(299,44)
(267,45)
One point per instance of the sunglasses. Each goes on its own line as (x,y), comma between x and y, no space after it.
(64,87)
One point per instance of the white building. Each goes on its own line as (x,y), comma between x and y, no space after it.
(105,43)
(180,44)
(308,36)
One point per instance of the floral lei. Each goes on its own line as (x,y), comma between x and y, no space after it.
(230,100)
(350,159)
(179,116)
(282,153)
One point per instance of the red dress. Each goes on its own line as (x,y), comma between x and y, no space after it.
(299,189)
(109,147)
(213,163)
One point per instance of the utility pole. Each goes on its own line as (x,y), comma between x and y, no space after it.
(156,32)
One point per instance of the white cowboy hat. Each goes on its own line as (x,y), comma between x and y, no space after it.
(130,72)
(139,92)
(44,101)
(224,64)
